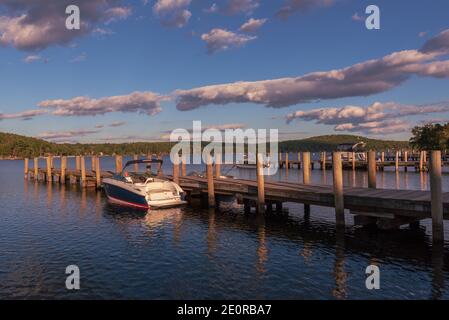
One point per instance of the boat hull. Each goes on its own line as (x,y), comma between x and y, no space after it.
(125,197)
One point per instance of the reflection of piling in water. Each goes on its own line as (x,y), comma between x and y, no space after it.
(340,291)
(262,251)
(437,271)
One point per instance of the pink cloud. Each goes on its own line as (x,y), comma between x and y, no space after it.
(221,39)
(361,79)
(252,25)
(172,13)
(37,24)
(143,102)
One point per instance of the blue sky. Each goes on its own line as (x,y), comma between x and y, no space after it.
(140,53)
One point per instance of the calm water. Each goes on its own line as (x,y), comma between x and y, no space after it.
(195,253)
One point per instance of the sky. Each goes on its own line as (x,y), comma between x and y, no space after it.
(138,69)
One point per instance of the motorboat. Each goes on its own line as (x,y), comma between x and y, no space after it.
(143,190)
(248,163)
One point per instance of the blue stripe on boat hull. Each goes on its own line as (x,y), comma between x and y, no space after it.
(125,195)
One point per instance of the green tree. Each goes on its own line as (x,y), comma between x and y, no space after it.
(430,137)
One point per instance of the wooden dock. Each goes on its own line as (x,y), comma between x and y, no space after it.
(386,208)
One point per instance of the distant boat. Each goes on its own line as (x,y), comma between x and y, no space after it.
(142,191)
(246,164)
(356,148)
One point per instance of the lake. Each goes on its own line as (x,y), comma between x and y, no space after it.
(197,253)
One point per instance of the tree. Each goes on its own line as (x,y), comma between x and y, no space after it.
(430,137)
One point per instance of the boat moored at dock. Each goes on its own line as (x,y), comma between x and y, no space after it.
(142,190)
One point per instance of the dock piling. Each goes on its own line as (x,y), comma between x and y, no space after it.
(210,182)
(36,168)
(176,169)
(306,176)
(323,160)
(218,165)
(77,163)
(436,197)
(260,185)
(83,172)
(306,167)
(25,169)
(97,172)
(63,168)
(118,163)
(372,168)
(136,165)
(49,176)
(338,189)
(183,166)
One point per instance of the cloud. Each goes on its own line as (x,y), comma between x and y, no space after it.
(292,6)
(142,102)
(99,126)
(438,44)
(221,39)
(362,79)
(422,34)
(241,6)
(32,25)
(53,135)
(80,58)
(102,31)
(357,17)
(252,25)
(32,58)
(377,118)
(172,13)
(212,9)
(221,127)
(117,124)
(24,115)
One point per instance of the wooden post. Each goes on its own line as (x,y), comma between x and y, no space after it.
(397,161)
(306,176)
(372,170)
(77,163)
(323,160)
(183,166)
(421,161)
(280,159)
(176,169)
(49,177)
(353,161)
(338,189)
(299,160)
(436,197)
(92,163)
(118,164)
(405,156)
(287,166)
(97,172)
(260,185)
(159,165)
(63,168)
(210,182)
(218,165)
(136,165)
(83,172)
(306,167)
(25,168)
(36,168)
(382,156)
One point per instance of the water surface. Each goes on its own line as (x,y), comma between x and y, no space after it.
(196,253)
